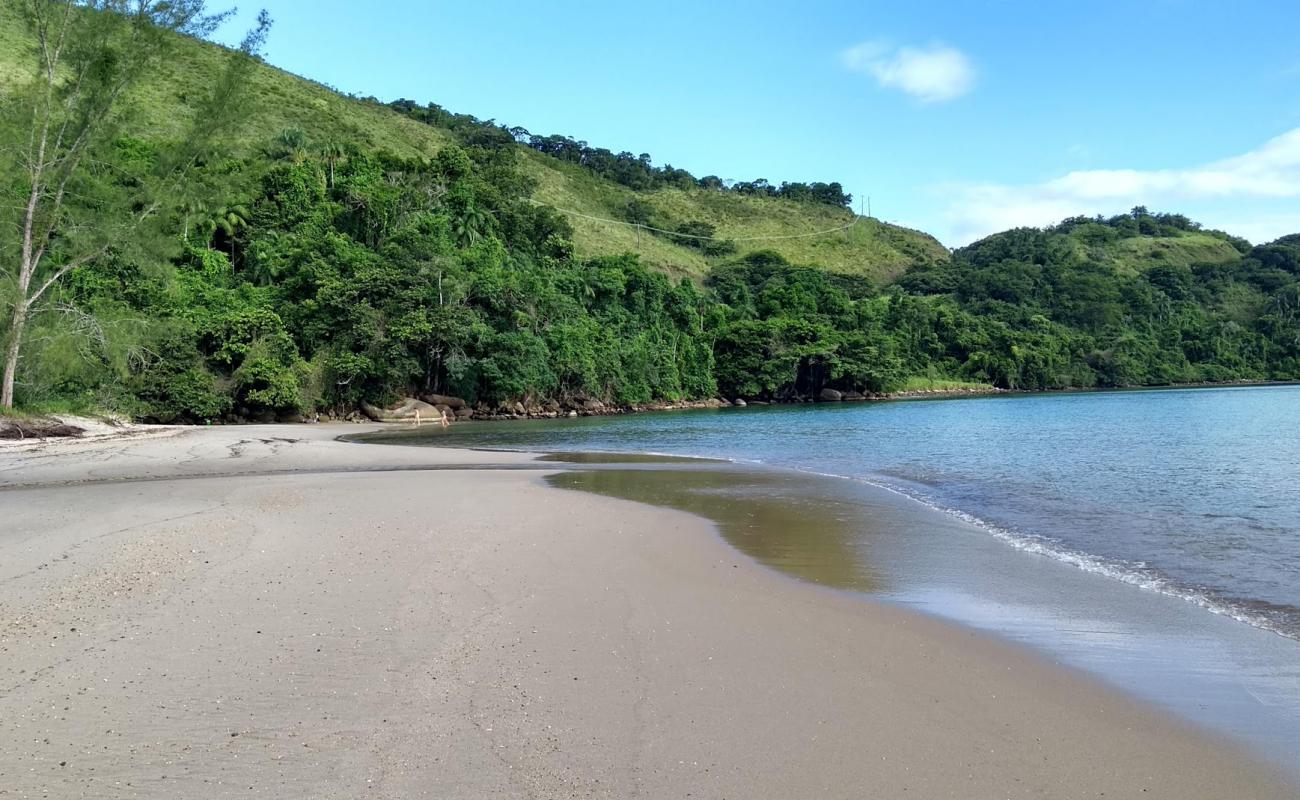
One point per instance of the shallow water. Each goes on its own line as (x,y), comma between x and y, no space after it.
(781,520)
(1152,538)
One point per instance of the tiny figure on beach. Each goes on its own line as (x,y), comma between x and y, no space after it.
(443,420)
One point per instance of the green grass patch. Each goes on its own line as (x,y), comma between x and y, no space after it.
(1136,254)
(870,248)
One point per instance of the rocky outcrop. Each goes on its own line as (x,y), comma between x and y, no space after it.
(403,411)
(963,391)
(577,407)
(830,396)
(452,403)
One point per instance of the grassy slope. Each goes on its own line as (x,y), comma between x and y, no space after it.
(1138,253)
(163,105)
(869,248)
(287,101)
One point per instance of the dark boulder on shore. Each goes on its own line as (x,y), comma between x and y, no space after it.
(403,411)
(831,396)
(454,403)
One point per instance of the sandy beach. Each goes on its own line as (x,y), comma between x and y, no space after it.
(267,612)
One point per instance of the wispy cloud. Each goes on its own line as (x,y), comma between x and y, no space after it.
(934,73)
(1268,174)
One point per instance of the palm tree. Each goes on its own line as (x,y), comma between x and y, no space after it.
(291,144)
(192,208)
(206,222)
(469,225)
(332,152)
(228,221)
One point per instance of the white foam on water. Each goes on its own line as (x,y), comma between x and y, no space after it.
(1134,573)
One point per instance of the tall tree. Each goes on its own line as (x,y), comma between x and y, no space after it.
(60,133)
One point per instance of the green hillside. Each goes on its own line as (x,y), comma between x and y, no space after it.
(869,247)
(1125,245)
(337,254)
(1185,249)
(1136,251)
(165,103)
(285,101)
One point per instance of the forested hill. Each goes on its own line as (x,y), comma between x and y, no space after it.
(1135,299)
(337,253)
(326,118)
(618,197)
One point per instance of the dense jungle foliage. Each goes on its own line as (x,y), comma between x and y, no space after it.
(348,276)
(318,270)
(338,276)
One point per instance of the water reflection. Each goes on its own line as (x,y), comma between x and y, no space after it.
(785,521)
(624,458)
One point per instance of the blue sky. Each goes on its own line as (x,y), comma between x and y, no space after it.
(960,118)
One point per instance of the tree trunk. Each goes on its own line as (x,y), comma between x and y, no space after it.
(11,354)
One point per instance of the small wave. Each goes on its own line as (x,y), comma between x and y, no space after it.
(1255,613)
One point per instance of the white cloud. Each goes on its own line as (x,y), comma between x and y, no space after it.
(1268,176)
(932,74)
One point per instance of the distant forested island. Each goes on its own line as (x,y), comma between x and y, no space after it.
(324,252)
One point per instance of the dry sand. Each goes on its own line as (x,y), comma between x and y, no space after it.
(297,625)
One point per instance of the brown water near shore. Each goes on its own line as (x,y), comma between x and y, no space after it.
(624,458)
(783,520)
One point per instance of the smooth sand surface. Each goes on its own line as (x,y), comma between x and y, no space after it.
(299,625)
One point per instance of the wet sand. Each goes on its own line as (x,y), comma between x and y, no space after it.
(265,612)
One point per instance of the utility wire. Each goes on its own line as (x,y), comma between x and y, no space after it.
(856,219)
